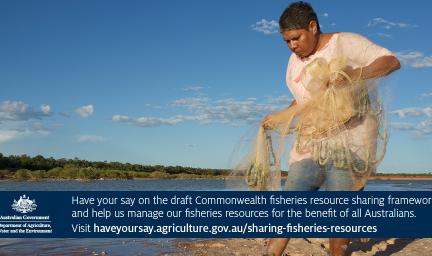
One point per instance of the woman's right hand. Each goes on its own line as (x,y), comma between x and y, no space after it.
(270,121)
(276,118)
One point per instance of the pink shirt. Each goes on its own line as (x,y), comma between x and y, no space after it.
(360,52)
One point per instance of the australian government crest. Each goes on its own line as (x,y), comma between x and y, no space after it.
(24,223)
(24,204)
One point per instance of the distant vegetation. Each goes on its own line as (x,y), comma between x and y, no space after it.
(401,176)
(427,174)
(25,167)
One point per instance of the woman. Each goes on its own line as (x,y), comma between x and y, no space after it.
(362,61)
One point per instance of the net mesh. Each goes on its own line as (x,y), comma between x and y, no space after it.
(342,124)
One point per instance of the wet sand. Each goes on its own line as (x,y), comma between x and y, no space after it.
(306,247)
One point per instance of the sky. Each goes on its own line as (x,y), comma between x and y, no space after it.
(181,82)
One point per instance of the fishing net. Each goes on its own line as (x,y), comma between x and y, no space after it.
(342,124)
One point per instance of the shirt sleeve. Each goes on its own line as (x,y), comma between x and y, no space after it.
(288,76)
(360,50)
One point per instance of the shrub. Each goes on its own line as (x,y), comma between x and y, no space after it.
(22,174)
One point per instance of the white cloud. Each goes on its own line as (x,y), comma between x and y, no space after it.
(87,138)
(155,121)
(38,128)
(426,94)
(19,111)
(19,120)
(402,126)
(325,14)
(192,102)
(20,130)
(46,109)
(265,26)
(193,88)
(413,112)
(425,128)
(85,111)
(415,59)
(204,110)
(421,129)
(383,23)
(152,106)
(7,135)
(384,35)
(283,99)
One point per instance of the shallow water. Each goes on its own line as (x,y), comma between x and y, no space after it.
(182,185)
(117,246)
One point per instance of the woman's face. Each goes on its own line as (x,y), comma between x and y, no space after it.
(302,42)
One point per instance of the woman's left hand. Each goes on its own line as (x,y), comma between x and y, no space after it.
(352,74)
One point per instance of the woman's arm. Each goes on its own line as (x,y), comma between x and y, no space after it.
(380,67)
(275,118)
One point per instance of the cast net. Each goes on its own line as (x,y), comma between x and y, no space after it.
(342,124)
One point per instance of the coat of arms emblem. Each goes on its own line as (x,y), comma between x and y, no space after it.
(24,204)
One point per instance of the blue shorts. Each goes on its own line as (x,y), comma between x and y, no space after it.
(308,175)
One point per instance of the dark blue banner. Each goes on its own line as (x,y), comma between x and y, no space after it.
(214,214)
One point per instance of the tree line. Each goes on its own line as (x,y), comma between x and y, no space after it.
(24,167)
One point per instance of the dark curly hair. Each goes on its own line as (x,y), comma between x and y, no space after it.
(298,15)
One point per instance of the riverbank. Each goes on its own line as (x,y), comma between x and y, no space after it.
(401,177)
(305,247)
(61,174)
(186,176)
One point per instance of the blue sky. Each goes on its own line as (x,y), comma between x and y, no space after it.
(180,82)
